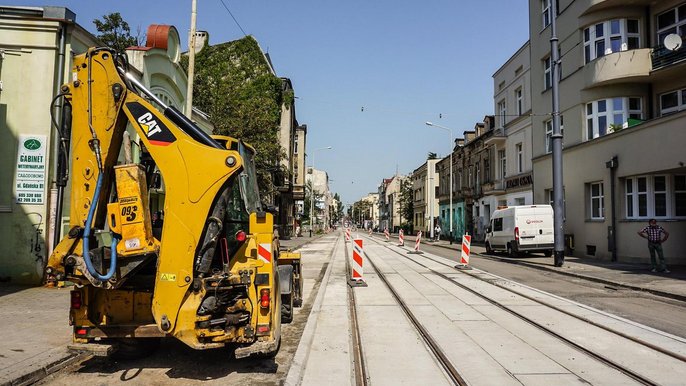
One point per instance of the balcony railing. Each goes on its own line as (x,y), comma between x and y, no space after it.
(662,57)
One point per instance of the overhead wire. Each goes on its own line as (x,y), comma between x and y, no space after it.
(233,17)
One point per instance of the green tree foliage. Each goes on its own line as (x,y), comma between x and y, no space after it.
(114,32)
(406,201)
(235,86)
(336,212)
(431,155)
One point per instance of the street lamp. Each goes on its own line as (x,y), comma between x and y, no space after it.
(312,190)
(452,145)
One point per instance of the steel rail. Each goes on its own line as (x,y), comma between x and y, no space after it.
(358,354)
(433,346)
(609,362)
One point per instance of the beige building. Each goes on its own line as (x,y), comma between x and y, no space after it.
(372,214)
(389,203)
(425,180)
(511,166)
(622,100)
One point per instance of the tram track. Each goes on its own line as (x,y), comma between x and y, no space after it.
(599,357)
(433,346)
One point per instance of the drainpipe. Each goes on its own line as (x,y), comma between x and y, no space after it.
(60,171)
(612,232)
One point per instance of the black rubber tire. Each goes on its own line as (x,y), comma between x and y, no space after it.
(510,251)
(287,308)
(548,253)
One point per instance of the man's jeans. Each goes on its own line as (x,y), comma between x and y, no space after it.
(656,247)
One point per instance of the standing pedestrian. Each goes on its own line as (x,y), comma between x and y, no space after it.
(437,232)
(656,235)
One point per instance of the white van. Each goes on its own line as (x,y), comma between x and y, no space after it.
(527,228)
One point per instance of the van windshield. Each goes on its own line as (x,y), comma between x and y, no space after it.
(247,180)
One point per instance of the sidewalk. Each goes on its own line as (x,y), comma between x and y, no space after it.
(627,275)
(35,333)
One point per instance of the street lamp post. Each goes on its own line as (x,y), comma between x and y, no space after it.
(452,145)
(312,190)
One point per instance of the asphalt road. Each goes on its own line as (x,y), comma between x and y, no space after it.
(657,312)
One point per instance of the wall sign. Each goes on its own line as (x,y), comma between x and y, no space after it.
(517,182)
(30,185)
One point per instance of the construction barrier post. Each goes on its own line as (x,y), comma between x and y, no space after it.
(347,235)
(464,255)
(401,238)
(417,241)
(385,232)
(356,279)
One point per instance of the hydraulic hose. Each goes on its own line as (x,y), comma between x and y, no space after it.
(86,236)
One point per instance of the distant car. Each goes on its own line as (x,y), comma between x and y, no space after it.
(526,228)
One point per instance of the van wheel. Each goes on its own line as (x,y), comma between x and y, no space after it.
(548,253)
(488,248)
(510,251)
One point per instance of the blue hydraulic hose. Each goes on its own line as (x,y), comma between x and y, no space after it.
(86,236)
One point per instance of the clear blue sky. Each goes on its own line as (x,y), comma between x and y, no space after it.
(404,61)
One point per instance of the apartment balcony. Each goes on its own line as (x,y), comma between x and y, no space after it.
(493,187)
(599,5)
(619,67)
(662,57)
(498,138)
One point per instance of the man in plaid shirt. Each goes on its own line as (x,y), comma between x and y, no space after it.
(656,235)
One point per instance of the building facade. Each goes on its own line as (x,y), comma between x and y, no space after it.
(425,180)
(623,102)
(512,147)
(323,198)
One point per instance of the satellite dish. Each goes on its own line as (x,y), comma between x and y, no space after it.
(673,42)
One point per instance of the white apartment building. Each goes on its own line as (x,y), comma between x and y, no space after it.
(512,164)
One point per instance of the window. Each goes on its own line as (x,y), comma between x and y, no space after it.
(672,102)
(502,112)
(549,133)
(520,201)
(487,170)
(671,22)
(518,98)
(503,163)
(520,157)
(497,224)
(662,196)
(545,12)
(547,74)
(597,201)
(680,196)
(612,114)
(295,144)
(611,36)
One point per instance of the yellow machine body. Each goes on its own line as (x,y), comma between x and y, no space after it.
(176,298)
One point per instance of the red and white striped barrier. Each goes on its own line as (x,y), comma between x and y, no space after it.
(464,256)
(347,235)
(356,277)
(385,232)
(418,241)
(401,238)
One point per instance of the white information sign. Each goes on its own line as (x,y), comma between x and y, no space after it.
(30,185)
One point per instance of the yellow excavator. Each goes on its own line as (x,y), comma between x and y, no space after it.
(214,277)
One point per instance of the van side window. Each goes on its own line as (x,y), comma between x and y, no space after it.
(498,224)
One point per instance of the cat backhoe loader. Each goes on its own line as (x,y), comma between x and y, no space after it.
(213,278)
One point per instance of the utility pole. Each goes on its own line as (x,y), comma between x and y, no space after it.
(558,194)
(191,60)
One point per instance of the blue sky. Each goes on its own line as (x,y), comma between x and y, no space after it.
(404,61)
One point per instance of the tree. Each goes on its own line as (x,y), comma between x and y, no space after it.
(406,202)
(235,85)
(114,32)
(336,213)
(431,155)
